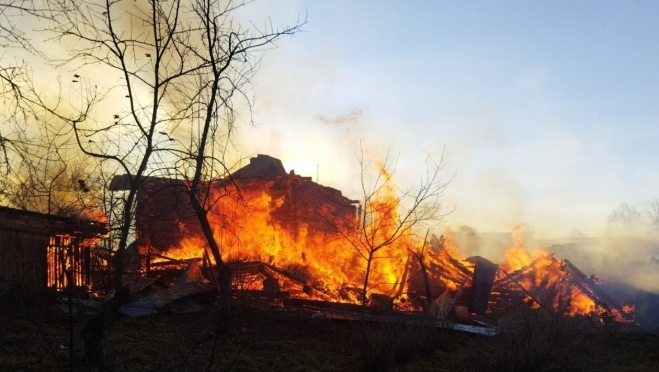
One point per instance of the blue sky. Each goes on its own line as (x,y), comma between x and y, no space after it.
(548,109)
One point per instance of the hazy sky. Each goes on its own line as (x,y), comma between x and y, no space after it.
(547,109)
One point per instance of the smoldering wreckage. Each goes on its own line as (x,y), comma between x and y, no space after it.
(287,241)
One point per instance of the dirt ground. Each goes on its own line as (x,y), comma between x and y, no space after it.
(283,340)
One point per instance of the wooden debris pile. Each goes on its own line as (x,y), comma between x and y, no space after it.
(455,288)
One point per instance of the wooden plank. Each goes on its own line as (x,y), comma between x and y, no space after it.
(513,281)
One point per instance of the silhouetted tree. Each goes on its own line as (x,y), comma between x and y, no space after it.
(389,215)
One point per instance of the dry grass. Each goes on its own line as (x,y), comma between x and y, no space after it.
(290,341)
(387,345)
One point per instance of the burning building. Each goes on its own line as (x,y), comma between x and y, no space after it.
(38,250)
(286,236)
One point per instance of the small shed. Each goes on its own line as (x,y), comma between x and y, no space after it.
(37,249)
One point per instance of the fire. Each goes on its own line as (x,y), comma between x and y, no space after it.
(628,308)
(580,304)
(517,256)
(272,221)
(258,222)
(189,248)
(92,214)
(547,281)
(65,260)
(333,246)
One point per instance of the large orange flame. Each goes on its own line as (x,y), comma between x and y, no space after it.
(271,222)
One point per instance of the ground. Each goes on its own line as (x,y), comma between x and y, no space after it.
(284,340)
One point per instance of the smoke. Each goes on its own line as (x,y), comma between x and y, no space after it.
(625,248)
(498,182)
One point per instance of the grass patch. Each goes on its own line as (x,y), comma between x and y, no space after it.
(286,341)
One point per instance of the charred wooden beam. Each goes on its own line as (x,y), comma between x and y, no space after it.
(169,260)
(424,271)
(481,284)
(283,273)
(245,266)
(646,311)
(403,280)
(524,271)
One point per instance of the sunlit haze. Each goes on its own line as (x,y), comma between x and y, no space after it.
(545,112)
(546,109)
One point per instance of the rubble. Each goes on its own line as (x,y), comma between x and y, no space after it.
(150,299)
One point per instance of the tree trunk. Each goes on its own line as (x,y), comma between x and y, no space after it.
(224,272)
(368,272)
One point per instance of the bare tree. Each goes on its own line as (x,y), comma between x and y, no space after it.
(390,216)
(179,71)
(651,209)
(14,75)
(179,63)
(633,219)
(227,63)
(49,176)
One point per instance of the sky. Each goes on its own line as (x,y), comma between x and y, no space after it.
(545,111)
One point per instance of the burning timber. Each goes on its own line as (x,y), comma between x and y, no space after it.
(166,221)
(259,284)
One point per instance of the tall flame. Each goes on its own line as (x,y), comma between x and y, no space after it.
(272,222)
